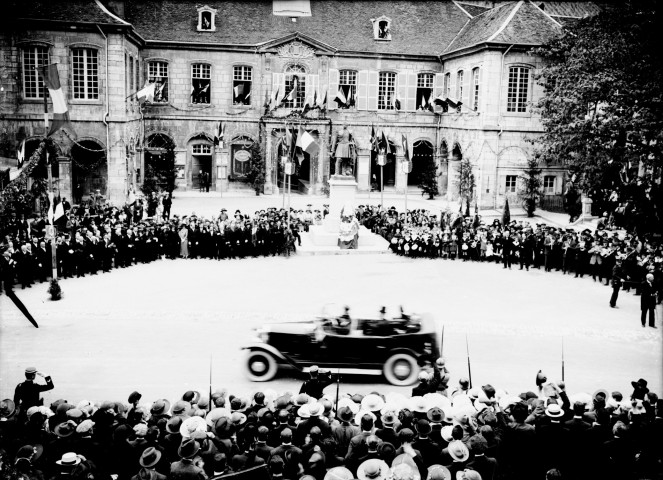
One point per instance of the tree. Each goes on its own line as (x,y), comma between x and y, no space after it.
(428,178)
(602,110)
(466,182)
(256,174)
(530,190)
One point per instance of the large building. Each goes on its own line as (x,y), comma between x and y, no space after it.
(362,64)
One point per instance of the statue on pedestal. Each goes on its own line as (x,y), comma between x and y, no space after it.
(345,152)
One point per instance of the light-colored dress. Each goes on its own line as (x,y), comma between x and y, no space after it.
(184,242)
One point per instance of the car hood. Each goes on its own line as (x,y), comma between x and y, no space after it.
(296,328)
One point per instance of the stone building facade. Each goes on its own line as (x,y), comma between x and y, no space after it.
(231,64)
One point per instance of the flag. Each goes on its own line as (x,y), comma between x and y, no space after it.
(396,102)
(59,209)
(384,143)
(323,104)
(220,131)
(340,97)
(406,150)
(307,142)
(267,102)
(51,210)
(374,139)
(441,99)
(238,90)
(20,154)
(454,103)
(292,94)
(60,112)
(146,94)
(288,139)
(506,214)
(351,98)
(275,100)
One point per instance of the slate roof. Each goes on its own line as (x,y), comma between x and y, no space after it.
(423,28)
(480,28)
(473,10)
(84,11)
(528,25)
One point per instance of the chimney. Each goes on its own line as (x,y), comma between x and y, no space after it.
(117,7)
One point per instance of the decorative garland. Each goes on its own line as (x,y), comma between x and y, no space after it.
(16,192)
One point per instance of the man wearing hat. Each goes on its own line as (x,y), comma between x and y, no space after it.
(27,393)
(185,469)
(148,461)
(317,383)
(648,301)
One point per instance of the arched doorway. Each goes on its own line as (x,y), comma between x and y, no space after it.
(422,156)
(240,151)
(201,174)
(389,169)
(89,170)
(159,164)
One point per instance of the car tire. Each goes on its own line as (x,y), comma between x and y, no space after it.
(401,369)
(261,366)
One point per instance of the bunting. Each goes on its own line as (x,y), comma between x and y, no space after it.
(60,111)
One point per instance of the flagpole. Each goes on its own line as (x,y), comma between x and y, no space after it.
(54,263)
(382,186)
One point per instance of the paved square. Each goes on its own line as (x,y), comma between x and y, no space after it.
(154,327)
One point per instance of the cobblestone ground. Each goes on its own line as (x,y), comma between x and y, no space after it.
(154,327)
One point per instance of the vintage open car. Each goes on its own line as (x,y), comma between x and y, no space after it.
(395,348)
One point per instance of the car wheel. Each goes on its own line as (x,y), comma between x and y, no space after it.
(260,366)
(401,369)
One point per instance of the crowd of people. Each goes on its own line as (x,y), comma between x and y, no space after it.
(617,258)
(95,239)
(440,432)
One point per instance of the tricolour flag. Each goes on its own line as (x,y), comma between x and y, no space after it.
(220,131)
(275,100)
(59,209)
(384,144)
(406,150)
(374,139)
(396,102)
(60,111)
(441,99)
(146,94)
(340,97)
(454,103)
(20,154)
(292,94)
(51,210)
(307,142)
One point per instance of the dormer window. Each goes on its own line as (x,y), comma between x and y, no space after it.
(206,19)
(382,28)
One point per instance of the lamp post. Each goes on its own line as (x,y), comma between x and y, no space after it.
(382,161)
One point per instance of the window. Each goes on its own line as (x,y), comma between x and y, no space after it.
(201,74)
(518,89)
(295,87)
(386,90)
(459,86)
(511,183)
(424,90)
(137,73)
(33,84)
(157,73)
(549,184)
(85,74)
(132,85)
(475,89)
(348,85)
(242,78)
(206,19)
(202,149)
(382,28)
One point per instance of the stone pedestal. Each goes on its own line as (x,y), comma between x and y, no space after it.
(342,191)
(586,206)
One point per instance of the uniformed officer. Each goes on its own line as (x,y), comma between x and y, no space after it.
(27,393)
(316,384)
